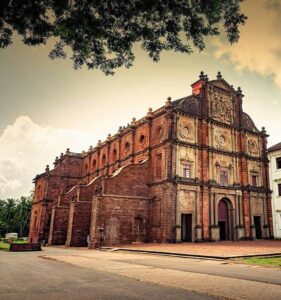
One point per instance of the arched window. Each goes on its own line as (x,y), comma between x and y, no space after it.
(103,160)
(35,220)
(142,139)
(159,131)
(39,192)
(114,154)
(127,146)
(158,167)
(94,164)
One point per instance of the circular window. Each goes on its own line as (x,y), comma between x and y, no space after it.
(159,131)
(142,139)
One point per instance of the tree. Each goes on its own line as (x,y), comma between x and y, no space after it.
(101,34)
(3,227)
(22,215)
(8,215)
(15,215)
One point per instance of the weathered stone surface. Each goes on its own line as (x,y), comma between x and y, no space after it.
(162,178)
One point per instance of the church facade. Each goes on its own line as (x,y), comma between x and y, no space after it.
(193,170)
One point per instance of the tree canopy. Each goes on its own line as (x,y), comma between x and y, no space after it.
(101,34)
(15,215)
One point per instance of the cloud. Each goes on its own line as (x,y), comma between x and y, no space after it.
(26,148)
(258,49)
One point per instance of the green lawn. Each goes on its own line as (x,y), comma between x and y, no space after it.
(270,261)
(20,242)
(6,246)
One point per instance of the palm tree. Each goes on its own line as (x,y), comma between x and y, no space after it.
(22,215)
(8,215)
(15,215)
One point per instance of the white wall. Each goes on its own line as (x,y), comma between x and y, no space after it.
(275,178)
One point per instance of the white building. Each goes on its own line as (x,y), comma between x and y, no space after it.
(274,156)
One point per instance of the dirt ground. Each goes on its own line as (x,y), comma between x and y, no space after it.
(221,249)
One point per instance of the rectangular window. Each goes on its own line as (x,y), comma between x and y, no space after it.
(279,189)
(158,169)
(186,171)
(278,162)
(254,180)
(223,177)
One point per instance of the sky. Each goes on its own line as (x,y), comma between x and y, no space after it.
(46,106)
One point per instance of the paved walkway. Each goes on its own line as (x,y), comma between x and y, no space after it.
(206,277)
(26,276)
(216,249)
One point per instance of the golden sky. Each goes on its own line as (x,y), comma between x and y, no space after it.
(46,106)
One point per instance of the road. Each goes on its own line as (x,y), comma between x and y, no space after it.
(28,276)
(87,274)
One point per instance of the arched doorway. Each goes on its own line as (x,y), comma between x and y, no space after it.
(224,219)
(138,229)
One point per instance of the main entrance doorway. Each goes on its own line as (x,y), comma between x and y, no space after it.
(223,220)
(257,222)
(186,227)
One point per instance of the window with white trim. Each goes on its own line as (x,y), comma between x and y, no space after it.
(279,189)
(186,171)
(278,162)
(254,180)
(223,177)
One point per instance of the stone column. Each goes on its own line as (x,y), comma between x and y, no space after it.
(198,226)
(178,218)
(246,214)
(93,229)
(265,214)
(52,226)
(212,217)
(43,220)
(215,230)
(252,226)
(70,224)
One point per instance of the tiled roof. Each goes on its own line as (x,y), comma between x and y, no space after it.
(274,147)
(190,104)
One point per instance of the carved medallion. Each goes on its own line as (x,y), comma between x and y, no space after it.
(252,147)
(220,139)
(185,131)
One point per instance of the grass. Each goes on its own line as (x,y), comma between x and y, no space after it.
(20,242)
(6,246)
(270,261)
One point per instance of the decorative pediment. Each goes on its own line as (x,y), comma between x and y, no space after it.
(222,84)
(185,158)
